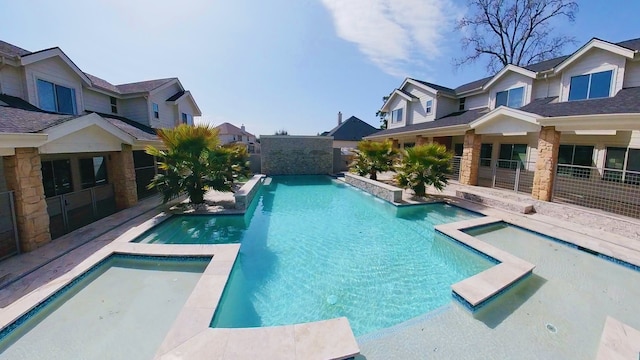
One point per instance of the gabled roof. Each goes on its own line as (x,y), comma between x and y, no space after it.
(352,129)
(624,102)
(436,86)
(103,84)
(133,128)
(12,50)
(143,86)
(17,102)
(176,96)
(453,119)
(474,85)
(37,56)
(230,129)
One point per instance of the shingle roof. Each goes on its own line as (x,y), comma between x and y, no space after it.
(472,85)
(16,120)
(352,129)
(12,50)
(625,101)
(547,64)
(17,102)
(142,86)
(436,86)
(633,44)
(101,83)
(457,118)
(131,127)
(176,96)
(230,129)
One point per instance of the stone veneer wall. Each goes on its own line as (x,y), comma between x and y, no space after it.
(247,192)
(296,155)
(470,158)
(24,176)
(375,188)
(122,174)
(548,147)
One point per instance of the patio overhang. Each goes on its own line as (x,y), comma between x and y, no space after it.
(506,121)
(591,123)
(440,131)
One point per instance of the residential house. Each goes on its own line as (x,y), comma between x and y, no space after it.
(348,133)
(231,134)
(565,129)
(72,144)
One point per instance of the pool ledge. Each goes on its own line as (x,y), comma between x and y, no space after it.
(474,292)
(618,341)
(328,339)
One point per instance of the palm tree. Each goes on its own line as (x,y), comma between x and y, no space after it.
(424,165)
(373,157)
(193,163)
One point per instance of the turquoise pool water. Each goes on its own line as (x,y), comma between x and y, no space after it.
(314,248)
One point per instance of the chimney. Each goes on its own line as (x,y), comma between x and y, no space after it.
(339,118)
(242,127)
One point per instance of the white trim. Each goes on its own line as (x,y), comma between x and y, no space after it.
(501,73)
(187,95)
(440,131)
(46,54)
(395,92)
(505,111)
(595,44)
(21,140)
(628,121)
(82,122)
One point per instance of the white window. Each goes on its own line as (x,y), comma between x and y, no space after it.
(429,106)
(590,86)
(56,98)
(187,119)
(156,111)
(396,116)
(461,103)
(114,104)
(511,98)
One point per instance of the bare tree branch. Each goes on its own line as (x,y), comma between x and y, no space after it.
(515,32)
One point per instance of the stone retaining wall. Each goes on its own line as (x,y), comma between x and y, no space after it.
(296,155)
(244,196)
(386,192)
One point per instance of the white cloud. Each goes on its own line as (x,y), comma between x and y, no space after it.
(394,34)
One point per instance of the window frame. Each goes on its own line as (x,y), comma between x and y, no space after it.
(623,174)
(93,182)
(54,176)
(513,163)
(428,107)
(156,110)
(508,92)
(114,104)
(395,116)
(573,169)
(589,87)
(461,103)
(56,97)
(486,161)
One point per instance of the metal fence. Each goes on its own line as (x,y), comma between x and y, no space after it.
(9,244)
(615,191)
(455,168)
(74,210)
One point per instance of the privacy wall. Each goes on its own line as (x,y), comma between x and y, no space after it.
(296,155)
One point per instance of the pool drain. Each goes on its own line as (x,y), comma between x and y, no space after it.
(332,299)
(552,329)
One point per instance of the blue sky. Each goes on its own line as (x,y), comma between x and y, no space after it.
(277,64)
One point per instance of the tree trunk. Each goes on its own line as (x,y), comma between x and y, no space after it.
(196,196)
(373,175)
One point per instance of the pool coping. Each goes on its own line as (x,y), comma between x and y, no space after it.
(476,291)
(618,341)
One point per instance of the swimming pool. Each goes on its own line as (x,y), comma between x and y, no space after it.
(313,248)
(121,308)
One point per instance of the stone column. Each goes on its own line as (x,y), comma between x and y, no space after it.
(123,177)
(470,158)
(420,140)
(23,172)
(548,146)
(394,143)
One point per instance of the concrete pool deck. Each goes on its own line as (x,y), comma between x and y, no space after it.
(371,345)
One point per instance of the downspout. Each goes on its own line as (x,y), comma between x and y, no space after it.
(546,79)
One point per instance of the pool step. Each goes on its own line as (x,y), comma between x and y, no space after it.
(618,341)
(495,201)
